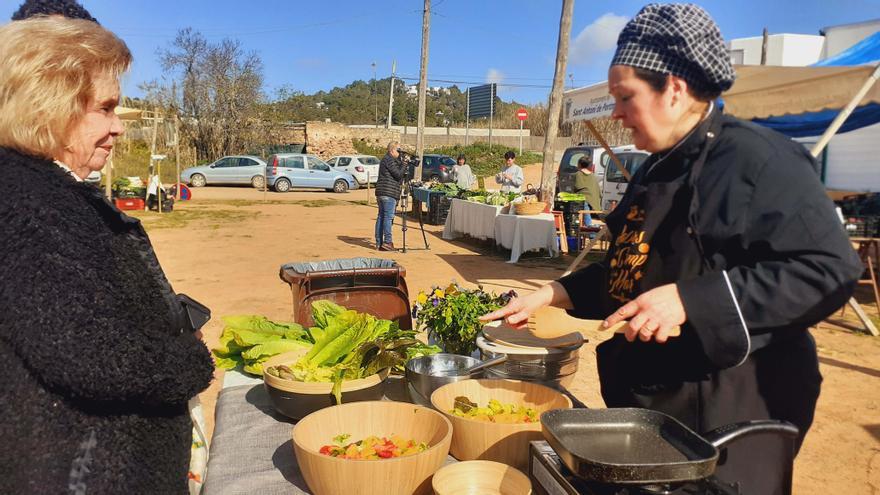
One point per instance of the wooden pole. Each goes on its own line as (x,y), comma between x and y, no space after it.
(555,105)
(177,157)
(423,87)
(391,94)
(764,44)
(152,152)
(601,139)
(467,118)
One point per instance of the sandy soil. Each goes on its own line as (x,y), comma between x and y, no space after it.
(228,256)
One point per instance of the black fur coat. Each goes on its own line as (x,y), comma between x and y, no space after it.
(95,369)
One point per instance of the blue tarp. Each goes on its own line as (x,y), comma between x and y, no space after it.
(866,51)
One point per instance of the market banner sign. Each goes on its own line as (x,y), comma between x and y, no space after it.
(591,102)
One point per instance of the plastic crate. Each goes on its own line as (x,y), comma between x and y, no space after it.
(865,226)
(439,210)
(129,203)
(368,285)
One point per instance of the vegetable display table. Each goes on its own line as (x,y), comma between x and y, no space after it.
(523,233)
(252,449)
(476,220)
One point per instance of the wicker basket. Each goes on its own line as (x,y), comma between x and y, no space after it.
(529,208)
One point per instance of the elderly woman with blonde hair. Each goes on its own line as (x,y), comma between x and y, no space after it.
(97,354)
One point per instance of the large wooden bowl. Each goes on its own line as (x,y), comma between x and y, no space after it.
(480,478)
(499,442)
(299,399)
(327,475)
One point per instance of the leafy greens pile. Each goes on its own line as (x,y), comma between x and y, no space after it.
(343,345)
(249,340)
(351,345)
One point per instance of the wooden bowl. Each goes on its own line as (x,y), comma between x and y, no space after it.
(299,399)
(480,478)
(401,475)
(500,442)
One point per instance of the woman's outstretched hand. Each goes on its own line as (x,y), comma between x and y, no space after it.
(518,310)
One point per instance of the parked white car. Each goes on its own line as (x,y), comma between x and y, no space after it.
(360,166)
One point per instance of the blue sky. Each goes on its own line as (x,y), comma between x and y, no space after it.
(315,45)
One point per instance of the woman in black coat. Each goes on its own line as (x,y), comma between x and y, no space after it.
(726,231)
(96,356)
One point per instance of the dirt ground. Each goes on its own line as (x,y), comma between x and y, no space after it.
(226,245)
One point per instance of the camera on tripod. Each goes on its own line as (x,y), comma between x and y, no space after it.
(410,162)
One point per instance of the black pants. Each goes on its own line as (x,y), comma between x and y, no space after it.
(781,382)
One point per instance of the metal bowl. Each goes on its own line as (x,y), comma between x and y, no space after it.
(428,373)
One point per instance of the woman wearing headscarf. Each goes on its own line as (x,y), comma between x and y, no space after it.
(726,231)
(98,356)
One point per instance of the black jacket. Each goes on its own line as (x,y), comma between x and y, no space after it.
(758,255)
(770,236)
(391,172)
(96,369)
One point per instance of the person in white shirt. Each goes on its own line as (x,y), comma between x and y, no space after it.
(511,177)
(461,171)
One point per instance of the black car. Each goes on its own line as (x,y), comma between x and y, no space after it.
(437,168)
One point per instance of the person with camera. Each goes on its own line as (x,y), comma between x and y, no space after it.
(391,174)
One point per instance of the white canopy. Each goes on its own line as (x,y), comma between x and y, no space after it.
(760,91)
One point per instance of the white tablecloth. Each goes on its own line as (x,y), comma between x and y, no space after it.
(474,219)
(522,233)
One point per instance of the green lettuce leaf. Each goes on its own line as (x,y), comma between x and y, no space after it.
(273,348)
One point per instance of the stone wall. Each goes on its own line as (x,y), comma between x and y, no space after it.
(327,139)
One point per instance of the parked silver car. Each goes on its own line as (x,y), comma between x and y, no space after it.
(237,169)
(360,166)
(289,170)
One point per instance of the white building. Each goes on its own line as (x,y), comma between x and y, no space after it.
(849,161)
(782,49)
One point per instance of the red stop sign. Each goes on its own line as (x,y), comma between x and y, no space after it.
(521,114)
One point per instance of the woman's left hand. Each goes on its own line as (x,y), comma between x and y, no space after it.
(651,315)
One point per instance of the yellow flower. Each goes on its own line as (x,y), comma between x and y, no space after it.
(439,293)
(451,289)
(422,298)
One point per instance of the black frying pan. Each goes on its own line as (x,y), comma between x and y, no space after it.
(641,446)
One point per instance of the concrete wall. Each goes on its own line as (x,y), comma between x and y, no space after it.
(532,143)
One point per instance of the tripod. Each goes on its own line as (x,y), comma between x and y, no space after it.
(403,206)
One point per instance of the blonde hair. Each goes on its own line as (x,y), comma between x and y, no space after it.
(48,66)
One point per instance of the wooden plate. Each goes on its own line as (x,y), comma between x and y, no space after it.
(532,336)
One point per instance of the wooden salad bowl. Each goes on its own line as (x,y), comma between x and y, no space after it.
(299,399)
(500,442)
(480,477)
(395,476)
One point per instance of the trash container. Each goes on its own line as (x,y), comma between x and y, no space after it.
(370,285)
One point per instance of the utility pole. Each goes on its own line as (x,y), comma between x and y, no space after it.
(764,43)
(391,94)
(423,87)
(555,104)
(375,97)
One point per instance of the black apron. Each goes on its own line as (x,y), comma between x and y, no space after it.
(655,242)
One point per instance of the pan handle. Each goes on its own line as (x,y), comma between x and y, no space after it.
(722,436)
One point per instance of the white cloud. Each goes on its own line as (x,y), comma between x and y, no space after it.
(494,76)
(598,37)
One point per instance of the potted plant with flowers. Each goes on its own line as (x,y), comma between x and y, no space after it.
(451,315)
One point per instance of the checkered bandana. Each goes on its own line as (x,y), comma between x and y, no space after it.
(677,39)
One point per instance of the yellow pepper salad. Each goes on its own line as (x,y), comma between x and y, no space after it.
(495,412)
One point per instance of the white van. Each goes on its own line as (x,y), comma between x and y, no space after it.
(615,183)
